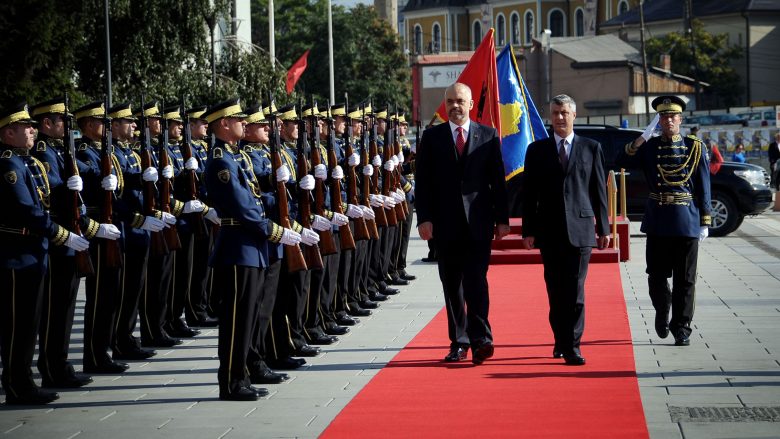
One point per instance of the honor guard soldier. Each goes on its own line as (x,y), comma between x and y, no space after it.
(137,227)
(27,232)
(400,194)
(407,170)
(100,191)
(62,279)
(240,254)
(677,214)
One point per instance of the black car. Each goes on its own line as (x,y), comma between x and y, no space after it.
(738,189)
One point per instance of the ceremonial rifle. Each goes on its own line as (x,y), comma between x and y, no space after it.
(387,176)
(83,261)
(327,244)
(361,226)
(310,252)
(112,255)
(369,150)
(196,218)
(401,209)
(158,245)
(166,184)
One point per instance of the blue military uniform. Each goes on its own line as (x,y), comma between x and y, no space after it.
(676,214)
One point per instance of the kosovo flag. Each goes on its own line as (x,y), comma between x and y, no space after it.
(520,122)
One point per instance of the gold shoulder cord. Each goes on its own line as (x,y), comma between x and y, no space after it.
(253,184)
(695,154)
(43,193)
(120,186)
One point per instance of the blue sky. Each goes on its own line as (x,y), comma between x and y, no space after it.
(350,3)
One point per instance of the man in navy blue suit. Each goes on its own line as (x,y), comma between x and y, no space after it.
(462,202)
(564,190)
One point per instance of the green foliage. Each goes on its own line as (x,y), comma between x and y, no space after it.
(714,58)
(368,57)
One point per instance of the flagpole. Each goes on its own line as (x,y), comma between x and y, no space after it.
(271,41)
(330,53)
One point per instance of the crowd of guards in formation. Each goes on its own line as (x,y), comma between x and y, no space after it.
(281,226)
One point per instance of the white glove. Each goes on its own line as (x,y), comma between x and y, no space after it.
(400,157)
(290,237)
(282,174)
(368,170)
(389,202)
(309,237)
(167,172)
(368,213)
(212,216)
(76,242)
(398,198)
(389,166)
(337,173)
(321,172)
(193,206)
(75,183)
(339,219)
(650,128)
(320,223)
(168,219)
(376,200)
(191,164)
(152,224)
(353,160)
(307,182)
(704,232)
(150,174)
(109,183)
(376,161)
(354,212)
(108,231)
(394,160)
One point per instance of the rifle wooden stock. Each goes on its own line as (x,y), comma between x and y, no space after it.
(327,244)
(292,253)
(401,209)
(111,254)
(373,232)
(310,252)
(82,259)
(169,232)
(361,228)
(158,246)
(387,183)
(196,218)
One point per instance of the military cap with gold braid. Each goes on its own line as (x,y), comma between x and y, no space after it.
(150,110)
(271,110)
(93,109)
(308,111)
(229,108)
(17,114)
(668,105)
(401,118)
(288,113)
(121,111)
(173,113)
(197,112)
(381,114)
(254,114)
(356,112)
(52,106)
(335,110)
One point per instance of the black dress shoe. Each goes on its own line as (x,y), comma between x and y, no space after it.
(557,353)
(358,312)
(482,353)
(456,354)
(307,351)
(242,394)
(336,330)
(181,330)
(368,304)
(322,339)
(662,323)
(34,396)
(163,341)
(108,367)
(347,321)
(399,281)
(376,296)
(133,354)
(267,376)
(389,291)
(682,339)
(287,363)
(259,391)
(406,276)
(206,322)
(574,359)
(70,381)
(429,259)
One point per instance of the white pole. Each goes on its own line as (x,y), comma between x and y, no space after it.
(271,42)
(330,53)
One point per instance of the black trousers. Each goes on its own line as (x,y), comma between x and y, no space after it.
(405,231)
(463,272)
(259,348)
(239,288)
(290,308)
(196,307)
(675,257)
(60,287)
(133,281)
(153,306)
(181,279)
(20,293)
(100,309)
(565,269)
(328,295)
(312,321)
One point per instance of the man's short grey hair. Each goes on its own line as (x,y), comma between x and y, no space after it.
(564,100)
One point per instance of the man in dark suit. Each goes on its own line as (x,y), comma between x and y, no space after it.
(564,189)
(462,202)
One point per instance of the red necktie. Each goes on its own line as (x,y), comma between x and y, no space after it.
(460,141)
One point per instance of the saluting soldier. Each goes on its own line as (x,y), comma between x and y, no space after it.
(677,214)
(27,231)
(241,252)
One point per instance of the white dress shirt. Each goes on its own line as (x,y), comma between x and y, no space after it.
(454,128)
(567,144)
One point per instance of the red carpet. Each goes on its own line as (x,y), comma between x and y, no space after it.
(521,391)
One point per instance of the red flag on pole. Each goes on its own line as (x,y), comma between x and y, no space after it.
(295,72)
(480,76)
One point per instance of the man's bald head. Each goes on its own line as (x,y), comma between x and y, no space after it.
(457,99)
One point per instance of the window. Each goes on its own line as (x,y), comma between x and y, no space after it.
(477,34)
(556,23)
(515,26)
(579,22)
(622,7)
(436,43)
(500,30)
(418,42)
(529,27)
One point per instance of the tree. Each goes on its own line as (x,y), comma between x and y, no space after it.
(714,61)
(368,57)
